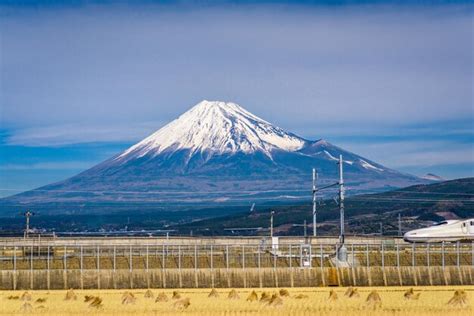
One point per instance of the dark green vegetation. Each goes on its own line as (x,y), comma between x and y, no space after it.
(111,217)
(417,205)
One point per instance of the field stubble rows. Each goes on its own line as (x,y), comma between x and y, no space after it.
(300,301)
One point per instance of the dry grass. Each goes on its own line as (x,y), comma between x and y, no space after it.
(376,301)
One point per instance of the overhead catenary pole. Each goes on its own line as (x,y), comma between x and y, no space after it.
(341,199)
(314,202)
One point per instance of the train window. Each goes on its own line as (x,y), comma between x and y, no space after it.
(440,223)
(472,223)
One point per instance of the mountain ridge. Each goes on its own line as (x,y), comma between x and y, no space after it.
(218,147)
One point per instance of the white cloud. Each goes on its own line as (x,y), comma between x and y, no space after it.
(405,154)
(67,165)
(290,64)
(59,135)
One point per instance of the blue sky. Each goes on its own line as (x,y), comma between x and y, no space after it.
(388,80)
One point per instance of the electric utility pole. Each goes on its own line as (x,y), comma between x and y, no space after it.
(342,251)
(315,176)
(27,215)
(399,225)
(271,223)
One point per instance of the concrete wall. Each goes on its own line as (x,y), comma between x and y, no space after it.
(250,277)
(152,241)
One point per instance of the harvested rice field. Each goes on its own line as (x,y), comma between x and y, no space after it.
(430,301)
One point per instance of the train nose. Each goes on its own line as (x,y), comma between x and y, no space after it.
(409,236)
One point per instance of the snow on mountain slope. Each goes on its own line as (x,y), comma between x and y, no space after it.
(216,127)
(367,165)
(218,151)
(222,138)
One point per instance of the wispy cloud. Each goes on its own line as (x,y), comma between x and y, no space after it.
(67,165)
(127,65)
(60,135)
(391,82)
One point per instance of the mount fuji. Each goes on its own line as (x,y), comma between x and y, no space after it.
(218,152)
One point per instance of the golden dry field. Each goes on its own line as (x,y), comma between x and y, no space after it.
(199,302)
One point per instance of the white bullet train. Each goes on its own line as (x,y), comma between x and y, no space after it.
(449,230)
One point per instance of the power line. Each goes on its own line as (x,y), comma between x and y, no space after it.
(408,199)
(435,193)
(298,201)
(219,192)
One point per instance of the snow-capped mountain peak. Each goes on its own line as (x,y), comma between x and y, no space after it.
(216,127)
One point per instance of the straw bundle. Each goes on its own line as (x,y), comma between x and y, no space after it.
(252,297)
(26,308)
(284,293)
(265,297)
(373,299)
(26,296)
(459,299)
(182,304)
(275,301)
(161,297)
(213,293)
(128,298)
(352,292)
(70,295)
(233,295)
(332,295)
(149,294)
(96,302)
(410,295)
